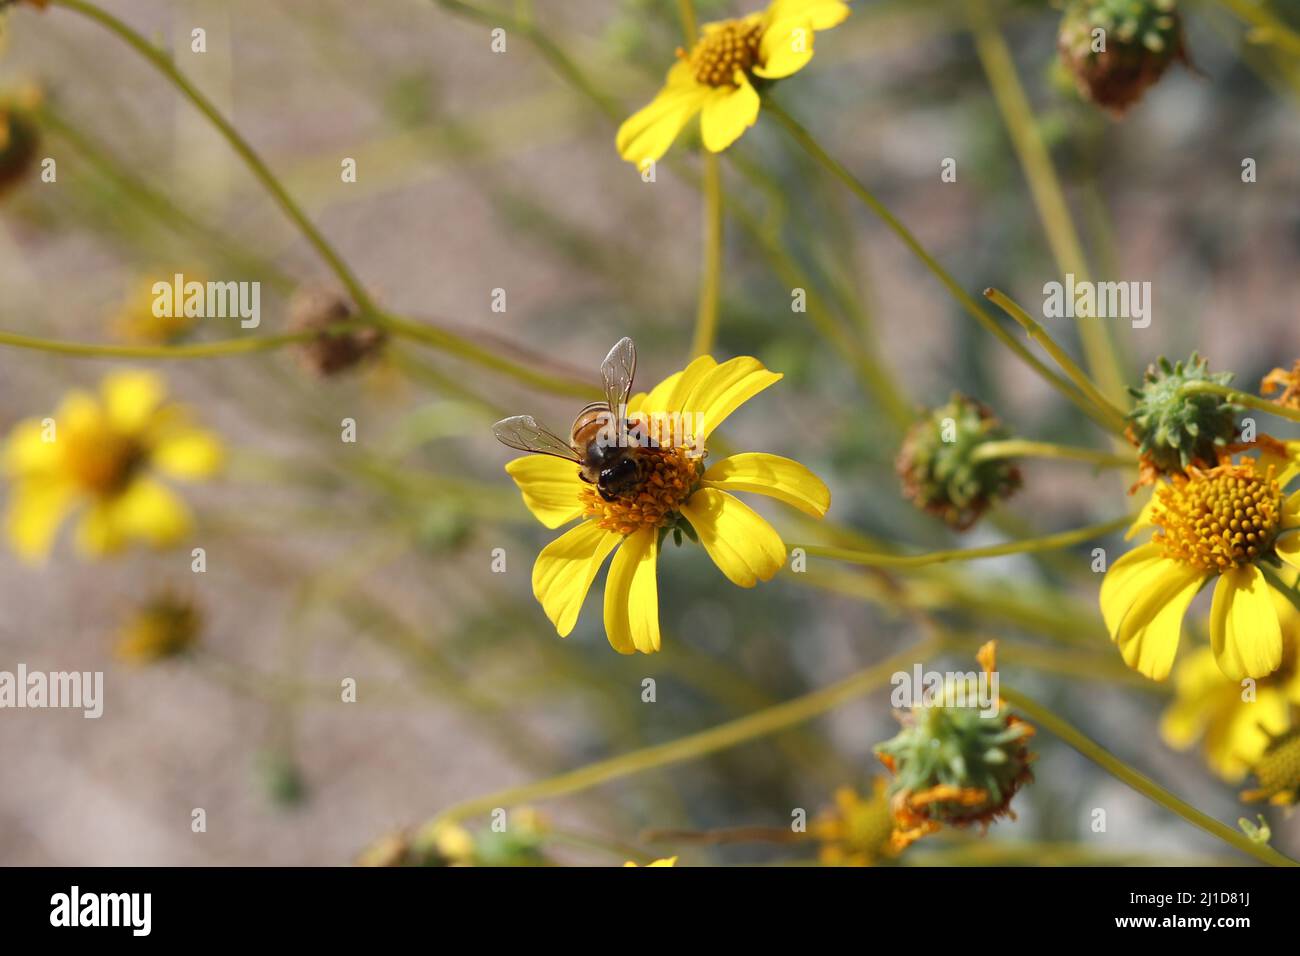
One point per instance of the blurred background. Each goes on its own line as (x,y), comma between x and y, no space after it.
(479,171)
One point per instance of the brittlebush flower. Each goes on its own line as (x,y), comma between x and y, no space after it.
(101,454)
(954,765)
(1235,725)
(857,831)
(716,79)
(1218,523)
(166,626)
(139,318)
(677,494)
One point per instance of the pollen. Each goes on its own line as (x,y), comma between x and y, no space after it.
(1219,519)
(724,49)
(668,476)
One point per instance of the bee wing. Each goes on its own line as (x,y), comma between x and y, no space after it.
(617,372)
(524,433)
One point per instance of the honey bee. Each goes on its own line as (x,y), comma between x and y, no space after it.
(600,443)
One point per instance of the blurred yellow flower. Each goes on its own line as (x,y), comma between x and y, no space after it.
(676,495)
(666,861)
(1236,722)
(137,318)
(163,627)
(100,454)
(716,78)
(1219,523)
(857,831)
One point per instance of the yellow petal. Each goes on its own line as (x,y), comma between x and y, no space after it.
(772,475)
(786,47)
(1286,467)
(721,390)
(1288,548)
(1125,580)
(646,134)
(130,399)
(550,487)
(1143,599)
(1238,737)
(146,511)
(727,113)
(632,595)
(1244,629)
(672,398)
(26,452)
(188,453)
(36,510)
(744,547)
(823,14)
(565,569)
(1196,678)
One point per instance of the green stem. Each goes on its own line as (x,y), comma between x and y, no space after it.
(1241,398)
(763,723)
(1142,784)
(246,152)
(963,298)
(1044,185)
(686,10)
(1023,448)
(706,315)
(1114,417)
(225,347)
(1267,28)
(1049,542)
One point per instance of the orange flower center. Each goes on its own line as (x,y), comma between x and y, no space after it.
(668,477)
(1219,519)
(103,463)
(728,47)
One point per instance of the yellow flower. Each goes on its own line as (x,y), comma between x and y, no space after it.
(857,831)
(165,626)
(666,861)
(1218,523)
(716,79)
(100,454)
(137,319)
(676,493)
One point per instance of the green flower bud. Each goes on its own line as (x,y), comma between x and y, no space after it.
(938,470)
(1278,771)
(1174,431)
(1138,39)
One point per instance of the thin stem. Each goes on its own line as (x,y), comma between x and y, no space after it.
(963,298)
(706,314)
(742,730)
(1267,28)
(1241,398)
(236,141)
(221,349)
(1023,448)
(1114,416)
(686,10)
(462,347)
(1044,185)
(1142,784)
(1051,542)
